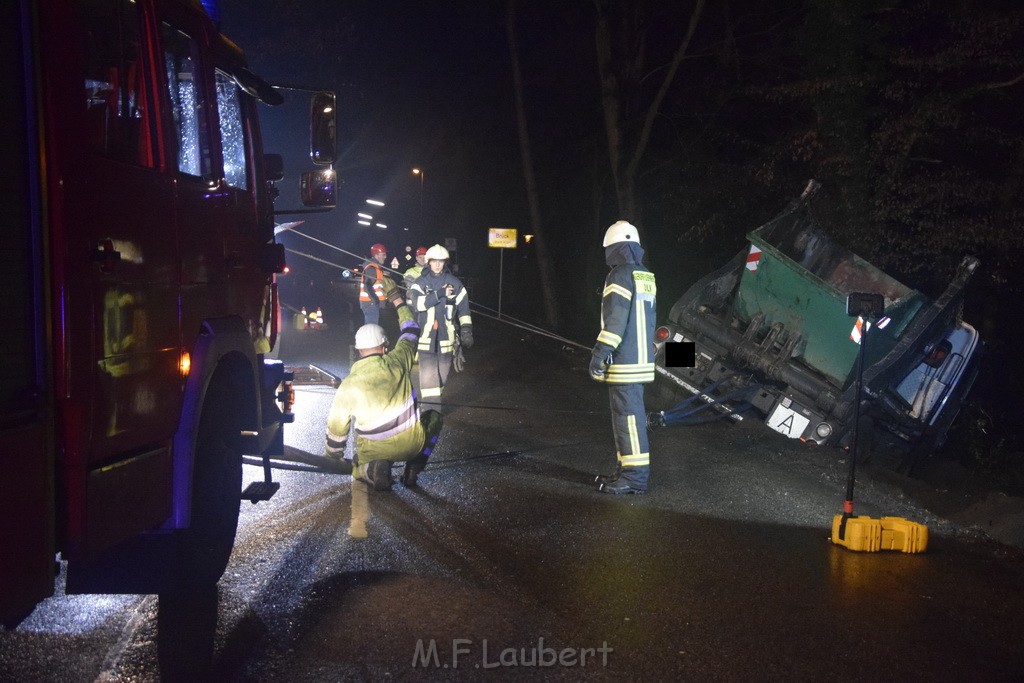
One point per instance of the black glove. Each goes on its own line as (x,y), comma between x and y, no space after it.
(599,362)
(466,336)
(459,360)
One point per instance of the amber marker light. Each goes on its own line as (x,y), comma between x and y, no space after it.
(184,363)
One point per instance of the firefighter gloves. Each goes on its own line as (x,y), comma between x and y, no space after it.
(466,336)
(391,291)
(599,362)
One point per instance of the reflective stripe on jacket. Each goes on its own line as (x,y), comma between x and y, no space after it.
(437,315)
(378,393)
(375,278)
(627,323)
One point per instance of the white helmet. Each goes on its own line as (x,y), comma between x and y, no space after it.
(437,253)
(370,337)
(621,231)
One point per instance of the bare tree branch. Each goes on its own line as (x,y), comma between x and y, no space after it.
(652,111)
(609,95)
(532,195)
(1005,84)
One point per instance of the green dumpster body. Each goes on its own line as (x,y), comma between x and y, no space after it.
(813,304)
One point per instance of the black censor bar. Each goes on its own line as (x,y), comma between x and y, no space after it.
(680,354)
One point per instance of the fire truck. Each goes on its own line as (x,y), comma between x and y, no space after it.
(139,301)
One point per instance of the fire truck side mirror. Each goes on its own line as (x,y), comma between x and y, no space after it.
(322,129)
(273,166)
(319,188)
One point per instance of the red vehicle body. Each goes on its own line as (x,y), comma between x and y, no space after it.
(138,295)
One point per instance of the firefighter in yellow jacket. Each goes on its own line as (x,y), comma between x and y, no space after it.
(377,396)
(623,356)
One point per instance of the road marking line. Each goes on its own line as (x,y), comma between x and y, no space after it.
(360,510)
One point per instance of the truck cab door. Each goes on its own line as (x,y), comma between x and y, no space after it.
(26,423)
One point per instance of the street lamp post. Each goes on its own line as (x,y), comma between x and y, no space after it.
(422,174)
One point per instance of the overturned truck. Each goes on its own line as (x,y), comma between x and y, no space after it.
(772,338)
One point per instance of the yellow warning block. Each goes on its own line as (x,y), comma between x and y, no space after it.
(865,534)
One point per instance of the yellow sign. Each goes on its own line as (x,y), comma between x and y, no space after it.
(501,238)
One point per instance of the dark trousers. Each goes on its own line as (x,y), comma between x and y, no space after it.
(434,369)
(629,424)
(371,312)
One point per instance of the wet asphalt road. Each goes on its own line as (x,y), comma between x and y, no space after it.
(507,564)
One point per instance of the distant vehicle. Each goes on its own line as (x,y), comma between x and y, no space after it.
(772,334)
(140,296)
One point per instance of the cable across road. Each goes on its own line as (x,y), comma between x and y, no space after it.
(476,308)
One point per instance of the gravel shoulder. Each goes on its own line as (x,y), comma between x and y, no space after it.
(943,494)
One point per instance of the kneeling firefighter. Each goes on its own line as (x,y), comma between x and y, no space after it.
(377,396)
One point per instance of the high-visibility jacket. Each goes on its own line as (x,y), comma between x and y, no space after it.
(377,393)
(408,277)
(438,314)
(412,274)
(372,273)
(627,318)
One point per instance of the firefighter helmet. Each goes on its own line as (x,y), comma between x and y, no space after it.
(422,251)
(621,231)
(370,337)
(378,249)
(437,253)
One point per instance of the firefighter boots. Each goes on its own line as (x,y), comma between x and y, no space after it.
(378,475)
(608,478)
(620,486)
(626,480)
(412,470)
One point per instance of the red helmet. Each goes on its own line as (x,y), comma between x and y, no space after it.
(422,251)
(378,249)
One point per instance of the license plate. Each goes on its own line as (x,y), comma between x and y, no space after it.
(788,422)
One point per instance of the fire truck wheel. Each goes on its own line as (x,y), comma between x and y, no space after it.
(205,546)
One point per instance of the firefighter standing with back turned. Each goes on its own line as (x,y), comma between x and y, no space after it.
(377,394)
(440,302)
(623,356)
(371,290)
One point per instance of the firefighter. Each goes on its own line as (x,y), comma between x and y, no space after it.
(441,303)
(410,275)
(623,356)
(371,292)
(377,396)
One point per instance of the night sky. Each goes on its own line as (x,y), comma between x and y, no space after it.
(418,86)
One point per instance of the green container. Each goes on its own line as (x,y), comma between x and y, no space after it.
(801,279)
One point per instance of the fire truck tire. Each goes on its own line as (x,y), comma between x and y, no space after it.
(204,548)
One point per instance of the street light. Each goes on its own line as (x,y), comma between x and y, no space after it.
(422,174)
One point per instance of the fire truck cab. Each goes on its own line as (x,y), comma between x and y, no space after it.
(138,295)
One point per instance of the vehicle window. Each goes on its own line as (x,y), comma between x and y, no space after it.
(232,132)
(118,118)
(187,102)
